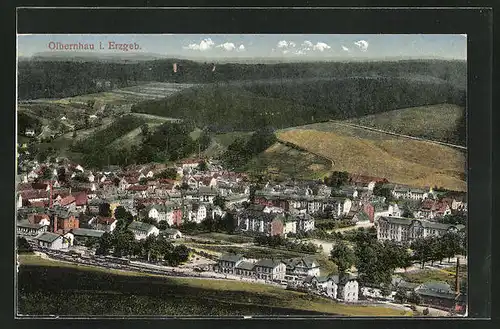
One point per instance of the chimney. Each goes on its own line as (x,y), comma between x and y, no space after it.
(54,223)
(51,196)
(457,277)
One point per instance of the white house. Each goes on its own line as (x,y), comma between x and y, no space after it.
(270,269)
(106,224)
(348,288)
(406,229)
(70,238)
(301,267)
(305,223)
(52,241)
(197,213)
(290,226)
(143,230)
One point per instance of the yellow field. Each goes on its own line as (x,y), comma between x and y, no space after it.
(400,160)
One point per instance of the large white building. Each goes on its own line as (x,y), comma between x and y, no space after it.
(402,229)
(143,230)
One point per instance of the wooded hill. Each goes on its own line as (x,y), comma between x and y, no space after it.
(250,106)
(57,79)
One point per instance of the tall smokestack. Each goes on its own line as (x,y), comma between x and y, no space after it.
(174,67)
(51,196)
(457,276)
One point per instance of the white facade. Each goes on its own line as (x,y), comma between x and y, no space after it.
(350,291)
(290,227)
(140,235)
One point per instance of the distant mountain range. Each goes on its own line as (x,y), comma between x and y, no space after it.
(139,57)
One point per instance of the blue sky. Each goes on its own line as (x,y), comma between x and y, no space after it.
(296,46)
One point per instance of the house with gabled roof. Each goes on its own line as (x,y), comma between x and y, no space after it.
(227,263)
(270,269)
(406,229)
(52,241)
(107,224)
(31,229)
(245,268)
(301,267)
(143,230)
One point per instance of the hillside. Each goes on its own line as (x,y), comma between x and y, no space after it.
(398,159)
(87,290)
(56,78)
(226,108)
(441,122)
(282,161)
(287,103)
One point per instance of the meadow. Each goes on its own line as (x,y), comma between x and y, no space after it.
(400,160)
(66,290)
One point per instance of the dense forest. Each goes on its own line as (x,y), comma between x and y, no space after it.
(252,105)
(168,142)
(53,79)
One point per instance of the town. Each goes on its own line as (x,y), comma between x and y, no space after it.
(149,218)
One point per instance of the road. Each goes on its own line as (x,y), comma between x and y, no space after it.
(399,135)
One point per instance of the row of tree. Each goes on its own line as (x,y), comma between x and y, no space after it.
(376,260)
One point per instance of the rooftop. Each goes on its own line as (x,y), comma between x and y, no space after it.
(87,232)
(48,237)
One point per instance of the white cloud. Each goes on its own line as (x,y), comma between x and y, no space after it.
(228,46)
(362,44)
(464,35)
(344,48)
(285,52)
(241,48)
(307,44)
(321,46)
(205,44)
(300,52)
(286,44)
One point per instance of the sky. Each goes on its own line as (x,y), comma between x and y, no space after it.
(234,46)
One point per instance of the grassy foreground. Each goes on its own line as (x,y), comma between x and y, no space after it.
(54,288)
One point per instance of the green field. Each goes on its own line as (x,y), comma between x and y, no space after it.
(232,238)
(439,122)
(446,275)
(59,289)
(282,161)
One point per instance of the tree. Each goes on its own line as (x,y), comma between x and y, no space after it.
(219,201)
(422,250)
(202,166)
(105,209)
(106,242)
(400,296)
(381,190)
(163,225)
(22,245)
(343,256)
(61,174)
(228,223)
(169,173)
(450,245)
(121,213)
(414,298)
(337,179)
(145,130)
(123,245)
